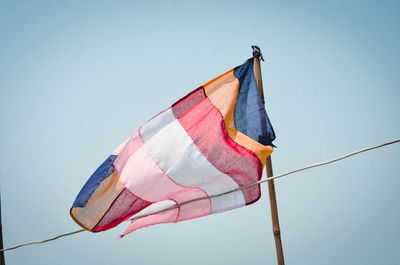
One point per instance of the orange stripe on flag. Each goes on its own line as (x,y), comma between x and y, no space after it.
(222,92)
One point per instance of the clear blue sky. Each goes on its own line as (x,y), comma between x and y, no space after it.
(78,77)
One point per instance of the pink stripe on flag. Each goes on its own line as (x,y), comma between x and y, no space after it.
(169,216)
(145,179)
(186,212)
(126,149)
(193,209)
(205,125)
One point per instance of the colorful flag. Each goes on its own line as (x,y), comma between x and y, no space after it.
(213,140)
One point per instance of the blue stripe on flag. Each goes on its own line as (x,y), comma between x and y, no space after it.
(94,181)
(250,115)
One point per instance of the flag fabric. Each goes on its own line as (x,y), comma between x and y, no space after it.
(213,140)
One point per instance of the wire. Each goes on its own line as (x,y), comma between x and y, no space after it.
(43,241)
(221,194)
(268,179)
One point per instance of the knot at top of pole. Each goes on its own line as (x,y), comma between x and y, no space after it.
(257,52)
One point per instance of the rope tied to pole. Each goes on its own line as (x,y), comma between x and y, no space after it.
(257,52)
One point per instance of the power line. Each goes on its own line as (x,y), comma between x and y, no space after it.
(221,194)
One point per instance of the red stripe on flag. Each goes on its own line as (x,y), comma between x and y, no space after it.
(189,101)
(123,207)
(205,125)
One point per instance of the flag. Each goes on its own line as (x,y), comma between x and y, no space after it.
(213,140)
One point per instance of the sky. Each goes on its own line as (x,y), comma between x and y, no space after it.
(78,77)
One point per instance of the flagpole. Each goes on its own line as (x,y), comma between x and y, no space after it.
(271,186)
(2,261)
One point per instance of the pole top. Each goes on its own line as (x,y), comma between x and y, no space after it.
(257,52)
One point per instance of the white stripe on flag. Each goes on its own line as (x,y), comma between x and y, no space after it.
(174,151)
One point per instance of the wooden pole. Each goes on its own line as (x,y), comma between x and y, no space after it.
(271,186)
(2,261)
